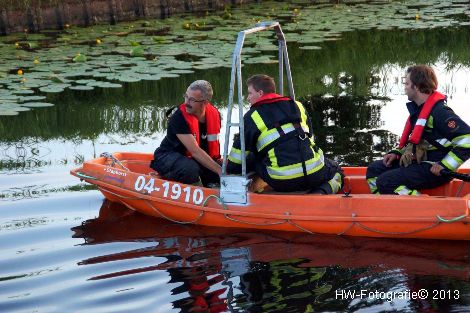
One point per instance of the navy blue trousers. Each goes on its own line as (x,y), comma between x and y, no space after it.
(175,166)
(414,177)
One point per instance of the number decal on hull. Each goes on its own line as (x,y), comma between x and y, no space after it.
(170,190)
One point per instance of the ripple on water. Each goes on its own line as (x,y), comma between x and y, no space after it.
(43,267)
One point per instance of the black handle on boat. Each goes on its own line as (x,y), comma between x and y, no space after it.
(460,176)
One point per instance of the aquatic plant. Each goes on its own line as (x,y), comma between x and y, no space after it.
(108,56)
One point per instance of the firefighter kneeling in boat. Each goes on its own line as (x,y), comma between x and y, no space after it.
(279,144)
(190,152)
(434,138)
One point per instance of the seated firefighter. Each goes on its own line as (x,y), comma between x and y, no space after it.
(190,151)
(279,143)
(434,138)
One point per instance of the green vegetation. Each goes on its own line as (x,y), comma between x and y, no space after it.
(108,56)
(108,91)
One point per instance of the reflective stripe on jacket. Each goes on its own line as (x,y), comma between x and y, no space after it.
(275,130)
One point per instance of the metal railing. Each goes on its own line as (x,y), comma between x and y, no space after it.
(234,188)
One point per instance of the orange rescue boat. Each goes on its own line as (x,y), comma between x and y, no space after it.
(440,213)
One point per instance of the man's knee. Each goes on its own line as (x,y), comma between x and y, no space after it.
(386,184)
(189,173)
(375,169)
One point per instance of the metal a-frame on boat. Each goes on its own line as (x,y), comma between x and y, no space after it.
(234,188)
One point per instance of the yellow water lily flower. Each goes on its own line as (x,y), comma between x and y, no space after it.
(19,72)
(36,61)
(98,41)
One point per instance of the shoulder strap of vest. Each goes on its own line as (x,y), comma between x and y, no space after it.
(423,116)
(192,122)
(269,98)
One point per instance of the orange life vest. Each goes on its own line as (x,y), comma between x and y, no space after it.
(434,98)
(213,129)
(270,98)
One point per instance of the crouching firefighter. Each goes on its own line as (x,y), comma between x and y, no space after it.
(434,138)
(279,144)
(190,151)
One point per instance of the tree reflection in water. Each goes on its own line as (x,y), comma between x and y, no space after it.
(346,128)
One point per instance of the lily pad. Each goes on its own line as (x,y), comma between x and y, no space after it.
(150,77)
(37,104)
(51,89)
(31,98)
(23,92)
(85,81)
(310,48)
(81,87)
(80,58)
(8,112)
(137,51)
(22,109)
(104,84)
(181,72)
(128,79)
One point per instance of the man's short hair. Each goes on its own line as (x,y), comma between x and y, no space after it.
(204,86)
(423,77)
(262,82)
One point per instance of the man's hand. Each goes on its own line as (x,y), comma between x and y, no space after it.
(436,169)
(389,158)
(198,154)
(407,158)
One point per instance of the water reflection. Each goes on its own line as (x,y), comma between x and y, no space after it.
(347,128)
(23,156)
(216,269)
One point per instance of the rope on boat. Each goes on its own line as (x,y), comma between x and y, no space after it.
(300,227)
(154,208)
(219,199)
(113,160)
(81,175)
(227,216)
(439,221)
(386,232)
(460,188)
(455,219)
(173,220)
(287,220)
(346,229)
(395,233)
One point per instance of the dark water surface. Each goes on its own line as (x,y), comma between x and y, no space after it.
(64,250)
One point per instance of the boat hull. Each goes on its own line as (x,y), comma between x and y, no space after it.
(444,214)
